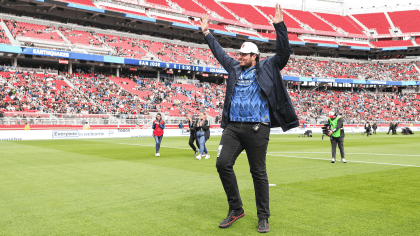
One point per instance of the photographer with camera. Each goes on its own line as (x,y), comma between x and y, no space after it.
(336,134)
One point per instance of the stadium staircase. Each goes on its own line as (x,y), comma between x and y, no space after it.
(339,30)
(9,34)
(304,26)
(361,25)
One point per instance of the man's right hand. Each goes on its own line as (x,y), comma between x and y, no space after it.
(205,23)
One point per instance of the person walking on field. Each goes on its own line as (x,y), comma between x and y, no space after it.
(158,127)
(203,133)
(193,136)
(256,99)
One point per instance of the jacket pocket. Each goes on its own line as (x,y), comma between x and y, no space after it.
(286,112)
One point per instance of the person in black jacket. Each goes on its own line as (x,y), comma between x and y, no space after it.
(368,128)
(203,133)
(391,127)
(374,127)
(193,136)
(256,99)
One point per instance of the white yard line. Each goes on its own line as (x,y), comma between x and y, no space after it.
(313,158)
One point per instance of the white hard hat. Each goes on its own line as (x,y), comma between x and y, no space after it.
(331,113)
(249,47)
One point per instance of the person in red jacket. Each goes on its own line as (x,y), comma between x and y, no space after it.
(158,127)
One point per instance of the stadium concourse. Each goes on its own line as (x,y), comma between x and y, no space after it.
(136,58)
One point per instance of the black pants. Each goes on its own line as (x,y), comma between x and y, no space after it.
(368,132)
(191,142)
(374,131)
(235,138)
(340,142)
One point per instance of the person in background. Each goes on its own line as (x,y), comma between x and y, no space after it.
(193,136)
(374,127)
(86,126)
(203,133)
(158,127)
(180,125)
(27,127)
(336,135)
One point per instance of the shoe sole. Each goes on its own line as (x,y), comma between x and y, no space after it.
(264,231)
(230,223)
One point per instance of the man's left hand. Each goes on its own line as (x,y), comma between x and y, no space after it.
(330,133)
(279,14)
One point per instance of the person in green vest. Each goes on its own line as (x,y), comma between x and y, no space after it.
(336,135)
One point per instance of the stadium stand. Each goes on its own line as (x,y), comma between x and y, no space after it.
(33,31)
(375,21)
(391,43)
(189,5)
(311,20)
(247,12)
(94,95)
(219,10)
(344,22)
(290,22)
(406,20)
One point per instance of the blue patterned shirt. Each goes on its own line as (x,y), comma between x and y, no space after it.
(249,103)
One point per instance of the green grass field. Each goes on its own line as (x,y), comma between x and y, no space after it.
(118,187)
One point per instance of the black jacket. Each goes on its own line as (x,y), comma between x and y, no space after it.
(282,113)
(205,127)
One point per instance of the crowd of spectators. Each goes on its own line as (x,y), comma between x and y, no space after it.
(356,70)
(356,107)
(131,97)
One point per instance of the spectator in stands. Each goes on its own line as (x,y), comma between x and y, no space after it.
(158,127)
(27,127)
(86,126)
(202,128)
(247,116)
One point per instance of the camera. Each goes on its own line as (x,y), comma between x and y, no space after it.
(326,129)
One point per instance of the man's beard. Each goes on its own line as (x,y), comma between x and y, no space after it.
(246,66)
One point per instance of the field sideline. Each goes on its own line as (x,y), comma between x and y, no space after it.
(118,187)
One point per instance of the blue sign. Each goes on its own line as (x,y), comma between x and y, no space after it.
(359,81)
(224,32)
(185,26)
(408,83)
(258,39)
(296,42)
(85,7)
(45,52)
(327,45)
(118,60)
(376,82)
(324,80)
(140,17)
(359,48)
(394,48)
(8,48)
(86,57)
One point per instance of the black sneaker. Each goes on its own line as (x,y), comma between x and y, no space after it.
(196,153)
(263,226)
(233,215)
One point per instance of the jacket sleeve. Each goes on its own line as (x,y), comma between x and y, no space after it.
(283,50)
(154,125)
(206,125)
(162,126)
(225,60)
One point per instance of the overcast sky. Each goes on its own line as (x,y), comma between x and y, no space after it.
(321,4)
